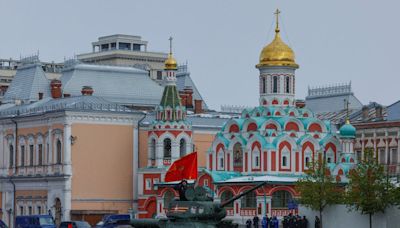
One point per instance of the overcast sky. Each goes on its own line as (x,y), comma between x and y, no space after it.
(334,41)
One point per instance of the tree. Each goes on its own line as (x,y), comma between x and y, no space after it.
(318,188)
(369,190)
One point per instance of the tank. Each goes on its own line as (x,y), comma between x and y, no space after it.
(196,211)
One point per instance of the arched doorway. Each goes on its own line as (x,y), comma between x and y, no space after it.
(57,211)
(281,199)
(225,196)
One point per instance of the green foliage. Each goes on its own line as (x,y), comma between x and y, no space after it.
(318,188)
(369,190)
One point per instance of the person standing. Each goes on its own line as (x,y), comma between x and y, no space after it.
(317,222)
(248,223)
(256,220)
(305,222)
(264,222)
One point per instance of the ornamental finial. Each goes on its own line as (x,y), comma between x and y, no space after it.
(277,12)
(170,45)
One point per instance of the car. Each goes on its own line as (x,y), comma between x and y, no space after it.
(114,220)
(35,221)
(74,224)
(2,224)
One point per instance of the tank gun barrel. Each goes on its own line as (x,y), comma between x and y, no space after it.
(242,194)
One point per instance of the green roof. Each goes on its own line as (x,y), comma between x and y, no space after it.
(170,97)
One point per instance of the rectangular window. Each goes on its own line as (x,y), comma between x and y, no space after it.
(155,182)
(30,210)
(11,162)
(22,155)
(124,46)
(39,210)
(159,75)
(359,155)
(31,155)
(148,184)
(21,210)
(40,154)
(382,158)
(394,156)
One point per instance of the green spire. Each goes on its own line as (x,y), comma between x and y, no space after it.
(170,97)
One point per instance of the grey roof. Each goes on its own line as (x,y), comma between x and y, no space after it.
(78,103)
(123,85)
(27,83)
(393,111)
(333,103)
(184,80)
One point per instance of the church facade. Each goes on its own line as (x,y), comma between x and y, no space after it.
(270,143)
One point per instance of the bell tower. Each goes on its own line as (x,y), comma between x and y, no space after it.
(277,72)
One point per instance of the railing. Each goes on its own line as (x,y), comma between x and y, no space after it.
(229,212)
(37,170)
(247,212)
(283,212)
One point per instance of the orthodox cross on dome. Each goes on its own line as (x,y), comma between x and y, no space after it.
(277,12)
(170,45)
(346,105)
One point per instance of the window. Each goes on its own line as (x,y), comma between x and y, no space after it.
(284,161)
(256,158)
(382,156)
(167,148)
(225,196)
(249,200)
(220,158)
(287,85)
(40,154)
(393,156)
(58,151)
(148,184)
(124,46)
(153,149)
(182,147)
(22,155)
(237,157)
(205,182)
(155,182)
(275,84)
(159,75)
(307,161)
(263,85)
(330,156)
(280,199)
(48,153)
(359,155)
(11,162)
(21,210)
(39,210)
(30,210)
(31,155)
(329,160)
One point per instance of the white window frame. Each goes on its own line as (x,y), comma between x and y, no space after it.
(148,184)
(285,153)
(220,164)
(256,154)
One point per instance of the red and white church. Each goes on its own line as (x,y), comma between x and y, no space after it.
(270,143)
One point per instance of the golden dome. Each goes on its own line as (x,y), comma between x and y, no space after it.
(170,63)
(277,53)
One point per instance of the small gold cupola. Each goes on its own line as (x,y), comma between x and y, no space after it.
(170,62)
(277,53)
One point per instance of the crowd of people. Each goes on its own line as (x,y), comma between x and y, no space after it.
(290,221)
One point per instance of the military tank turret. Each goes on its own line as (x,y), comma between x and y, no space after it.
(194,209)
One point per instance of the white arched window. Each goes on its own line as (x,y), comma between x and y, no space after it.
(167,148)
(256,158)
(39,151)
(221,159)
(285,157)
(307,158)
(275,84)
(31,152)
(22,152)
(11,153)
(182,147)
(330,156)
(59,151)
(287,84)
(152,154)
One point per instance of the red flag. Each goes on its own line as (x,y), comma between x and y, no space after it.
(183,168)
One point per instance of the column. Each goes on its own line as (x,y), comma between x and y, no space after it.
(135,186)
(159,154)
(261,202)
(49,150)
(67,150)
(4,153)
(66,201)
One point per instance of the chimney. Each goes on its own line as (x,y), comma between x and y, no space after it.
(198,106)
(55,87)
(183,97)
(40,95)
(365,112)
(378,112)
(87,91)
(189,96)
